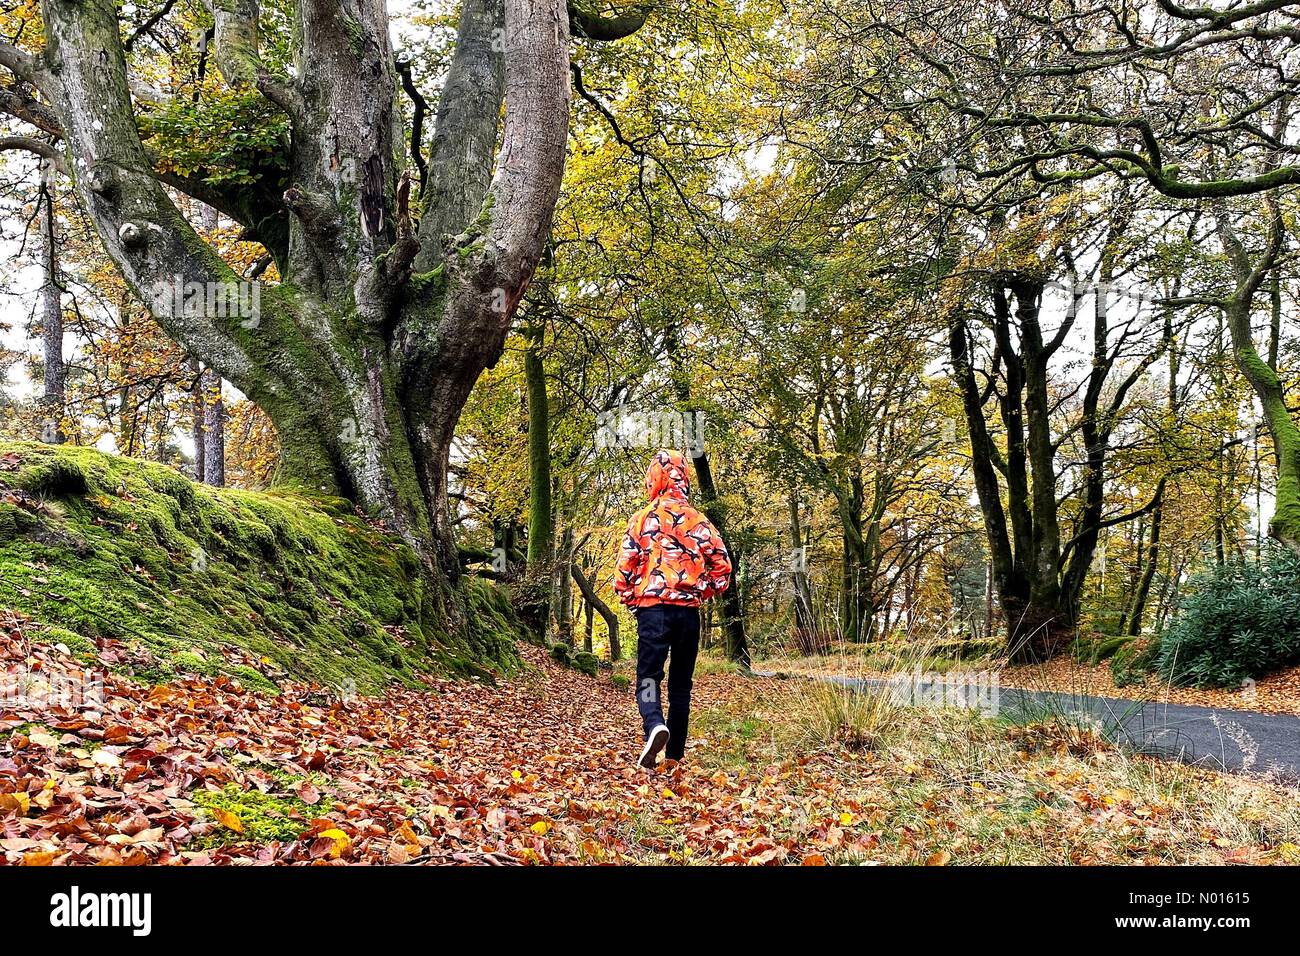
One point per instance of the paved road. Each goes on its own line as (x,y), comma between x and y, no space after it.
(1235,740)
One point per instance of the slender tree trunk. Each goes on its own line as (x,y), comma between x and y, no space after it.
(54,394)
(803,615)
(1143,590)
(563,586)
(198,415)
(541,530)
(589,625)
(593,599)
(214,432)
(1261,375)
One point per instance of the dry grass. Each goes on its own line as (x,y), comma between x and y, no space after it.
(917,785)
(831,713)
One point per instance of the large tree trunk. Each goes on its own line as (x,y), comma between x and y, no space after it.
(365,355)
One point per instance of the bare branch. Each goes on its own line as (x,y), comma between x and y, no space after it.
(36,146)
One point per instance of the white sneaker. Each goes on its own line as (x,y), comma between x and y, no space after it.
(654,743)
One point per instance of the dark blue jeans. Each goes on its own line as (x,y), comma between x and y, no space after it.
(664,630)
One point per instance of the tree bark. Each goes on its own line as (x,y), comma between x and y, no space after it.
(1260,375)
(214,433)
(541,528)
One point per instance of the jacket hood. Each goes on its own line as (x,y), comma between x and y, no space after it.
(667,476)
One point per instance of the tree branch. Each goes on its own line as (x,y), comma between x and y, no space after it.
(38,147)
(239,58)
(588,23)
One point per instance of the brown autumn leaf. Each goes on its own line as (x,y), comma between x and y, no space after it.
(308,793)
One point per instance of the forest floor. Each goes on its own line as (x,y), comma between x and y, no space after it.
(539,769)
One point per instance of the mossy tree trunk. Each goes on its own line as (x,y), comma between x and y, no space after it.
(387,313)
(1261,374)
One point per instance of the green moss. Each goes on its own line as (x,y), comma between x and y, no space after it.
(74,642)
(265,817)
(586,662)
(105,547)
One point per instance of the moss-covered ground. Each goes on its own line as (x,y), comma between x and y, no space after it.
(194,579)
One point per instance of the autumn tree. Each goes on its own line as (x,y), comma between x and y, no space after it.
(394,298)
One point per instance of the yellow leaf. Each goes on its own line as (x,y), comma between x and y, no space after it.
(341,841)
(846,819)
(14,801)
(228,820)
(541,828)
(668,794)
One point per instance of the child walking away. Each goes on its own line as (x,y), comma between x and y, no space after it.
(672,561)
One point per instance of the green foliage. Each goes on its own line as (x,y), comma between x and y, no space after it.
(99,546)
(1241,620)
(227,137)
(583,661)
(621,681)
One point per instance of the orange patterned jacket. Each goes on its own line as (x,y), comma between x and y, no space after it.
(671,554)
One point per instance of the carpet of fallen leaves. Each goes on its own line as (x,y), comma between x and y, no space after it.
(539,769)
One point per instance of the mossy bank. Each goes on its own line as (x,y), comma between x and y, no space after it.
(207,580)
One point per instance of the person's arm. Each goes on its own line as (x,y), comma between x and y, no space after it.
(717,562)
(631,563)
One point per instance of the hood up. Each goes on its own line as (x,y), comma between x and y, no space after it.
(667,476)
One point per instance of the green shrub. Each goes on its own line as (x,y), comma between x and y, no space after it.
(621,681)
(1241,620)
